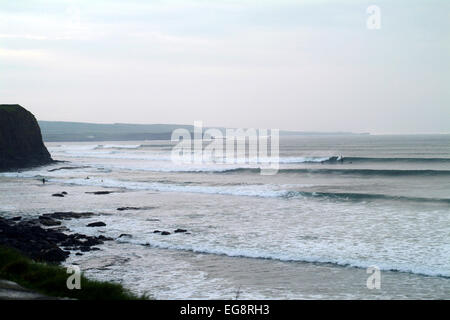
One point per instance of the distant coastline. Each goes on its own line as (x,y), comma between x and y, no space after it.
(60,131)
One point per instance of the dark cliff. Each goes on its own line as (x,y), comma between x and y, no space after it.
(21,143)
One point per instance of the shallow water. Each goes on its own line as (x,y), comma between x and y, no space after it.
(308,232)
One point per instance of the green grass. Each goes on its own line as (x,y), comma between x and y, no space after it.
(51,280)
(9,107)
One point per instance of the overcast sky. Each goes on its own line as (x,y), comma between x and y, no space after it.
(287,64)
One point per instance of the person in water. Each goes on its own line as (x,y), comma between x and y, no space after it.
(43,180)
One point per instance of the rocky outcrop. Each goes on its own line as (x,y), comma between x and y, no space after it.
(44,244)
(21,143)
(96,224)
(12,291)
(135,208)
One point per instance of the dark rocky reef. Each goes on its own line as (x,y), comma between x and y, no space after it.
(44,244)
(100,192)
(21,143)
(135,208)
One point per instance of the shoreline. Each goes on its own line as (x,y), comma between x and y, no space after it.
(142,263)
(47,236)
(22,278)
(31,257)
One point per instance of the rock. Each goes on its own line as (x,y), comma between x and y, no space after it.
(64,193)
(165,233)
(100,192)
(58,195)
(16,218)
(21,143)
(43,244)
(60,228)
(156,231)
(71,242)
(78,254)
(97,224)
(127,208)
(180,231)
(68,215)
(48,222)
(125,235)
(68,168)
(54,255)
(12,291)
(103,238)
(135,208)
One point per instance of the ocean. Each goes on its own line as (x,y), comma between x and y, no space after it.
(337,206)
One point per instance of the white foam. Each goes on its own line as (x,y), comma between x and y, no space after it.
(74,147)
(265,191)
(98,151)
(258,253)
(120,146)
(112,154)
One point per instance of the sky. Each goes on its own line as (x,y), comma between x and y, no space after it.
(307,65)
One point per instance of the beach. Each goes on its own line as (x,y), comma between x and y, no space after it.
(309,232)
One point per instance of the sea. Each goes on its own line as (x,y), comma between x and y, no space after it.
(343,213)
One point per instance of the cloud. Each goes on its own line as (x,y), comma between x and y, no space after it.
(23,54)
(291,64)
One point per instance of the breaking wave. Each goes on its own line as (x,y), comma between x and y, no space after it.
(365,172)
(284,256)
(251,190)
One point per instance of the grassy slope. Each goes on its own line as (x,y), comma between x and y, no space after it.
(9,107)
(51,279)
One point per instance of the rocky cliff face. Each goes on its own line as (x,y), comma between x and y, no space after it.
(21,143)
